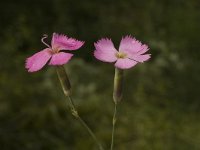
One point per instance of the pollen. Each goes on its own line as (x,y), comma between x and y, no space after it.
(121,55)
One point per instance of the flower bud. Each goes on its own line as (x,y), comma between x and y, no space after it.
(118,85)
(64,80)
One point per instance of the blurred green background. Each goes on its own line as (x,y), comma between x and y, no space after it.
(161,105)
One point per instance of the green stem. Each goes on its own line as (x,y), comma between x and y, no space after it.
(65,83)
(118,85)
(113,127)
(76,115)
(117,96)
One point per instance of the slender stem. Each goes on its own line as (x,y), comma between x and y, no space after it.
(76,115)
(113,127)
(117,96)
(65,83)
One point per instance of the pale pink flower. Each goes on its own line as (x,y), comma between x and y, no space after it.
(131,52)
(55,53)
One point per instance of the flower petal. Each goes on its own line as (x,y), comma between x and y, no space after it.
(131,46)
(143,50)
(141,58)
(105,50)
(60,58)
(125,63)
(38,60)
(62,42)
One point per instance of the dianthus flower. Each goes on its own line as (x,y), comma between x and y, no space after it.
(131,52)
(55,53)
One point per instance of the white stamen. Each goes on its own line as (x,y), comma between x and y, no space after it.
(42,40)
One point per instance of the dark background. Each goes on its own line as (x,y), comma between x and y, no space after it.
(161,105)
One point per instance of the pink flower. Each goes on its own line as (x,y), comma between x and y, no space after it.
(131,52)
(53,53)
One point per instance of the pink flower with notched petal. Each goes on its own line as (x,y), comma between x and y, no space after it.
(53,53)
(131,52)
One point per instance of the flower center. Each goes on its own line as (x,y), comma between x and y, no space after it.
(121,55)
(55,50)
